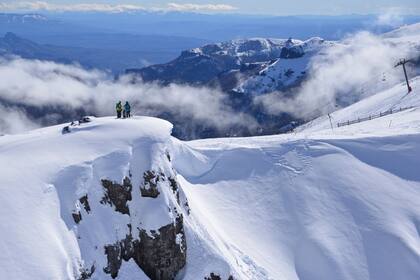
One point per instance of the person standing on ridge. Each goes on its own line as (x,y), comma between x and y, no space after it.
(127,109)
(118,107)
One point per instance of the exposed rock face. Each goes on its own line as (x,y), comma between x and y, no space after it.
(114,257)
(160,256)
(216,277)
(174,186)
(77,216)
(86,273)
(292,52)
(158,247)
(164,254)
(117,194)
(149,187)
(85,202)
(213,277)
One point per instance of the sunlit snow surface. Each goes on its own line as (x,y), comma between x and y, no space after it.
(318,203)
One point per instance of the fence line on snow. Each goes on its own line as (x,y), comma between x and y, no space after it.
(375,116)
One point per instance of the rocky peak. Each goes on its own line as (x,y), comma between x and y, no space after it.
(152,237)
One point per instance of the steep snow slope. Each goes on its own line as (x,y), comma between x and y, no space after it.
(317,204)
(412,30)
(310,209)
(286,71)
(393,98)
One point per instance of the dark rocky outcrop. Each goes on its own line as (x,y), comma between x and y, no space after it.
(292,52)
(160,256)
(77,216)
(118,194)
(86,273)
(213,277)
(164,254)
(65,129)
(159,253)
(114,258)
(216,277)
(174,186)
(85,202)
(149,187)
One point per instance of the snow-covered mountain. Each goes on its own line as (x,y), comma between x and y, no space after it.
(286,71)
(107,198)
(228,63)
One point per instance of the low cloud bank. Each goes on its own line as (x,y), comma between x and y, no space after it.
(43,86)
(14,120)
(200,7)
(110,8)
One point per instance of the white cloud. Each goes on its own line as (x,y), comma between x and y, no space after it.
(342,75)
(77,7)
(200,7)
(14,120)
(108,8)
(392,17)
(40,84)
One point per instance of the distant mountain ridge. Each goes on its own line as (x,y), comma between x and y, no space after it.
(228,64)
(11,44)
(238,64)
(22,18)
(111,58)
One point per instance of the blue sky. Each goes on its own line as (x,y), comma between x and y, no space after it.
(275,7)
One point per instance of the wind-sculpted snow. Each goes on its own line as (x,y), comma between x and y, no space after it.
(316,204)
(309,209)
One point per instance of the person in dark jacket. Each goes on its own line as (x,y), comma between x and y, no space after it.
(118,108)
(127,110)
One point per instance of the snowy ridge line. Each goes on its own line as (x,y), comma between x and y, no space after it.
(375,116)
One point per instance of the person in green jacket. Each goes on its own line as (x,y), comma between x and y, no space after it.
(119,108)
